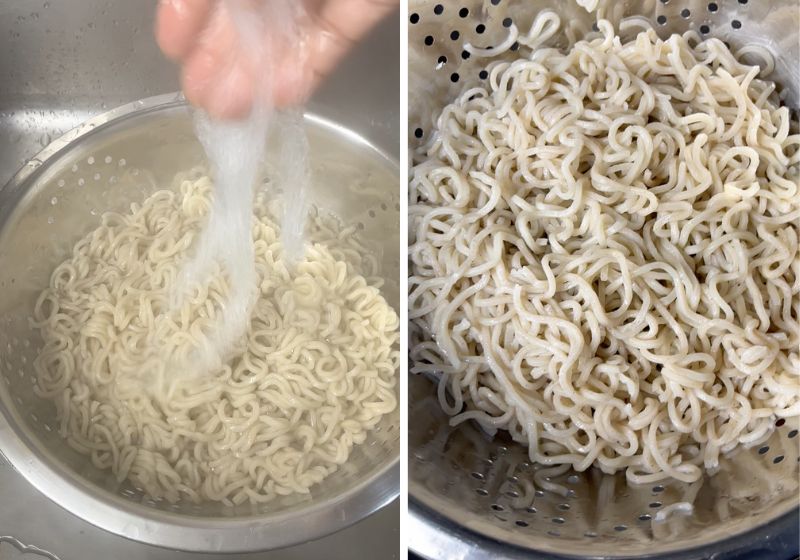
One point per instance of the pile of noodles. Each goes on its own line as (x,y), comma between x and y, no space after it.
(604,257)
(314,374)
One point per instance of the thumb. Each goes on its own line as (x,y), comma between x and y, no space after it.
(179,24)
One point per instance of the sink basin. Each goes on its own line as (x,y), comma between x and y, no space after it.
(64,62)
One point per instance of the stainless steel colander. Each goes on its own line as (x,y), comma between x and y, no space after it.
(473,497)
(122,157)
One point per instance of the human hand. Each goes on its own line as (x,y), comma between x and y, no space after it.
(220,73)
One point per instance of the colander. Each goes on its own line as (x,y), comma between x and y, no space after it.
(122,157)
(471,496)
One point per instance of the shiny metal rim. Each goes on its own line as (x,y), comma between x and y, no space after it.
(148,525)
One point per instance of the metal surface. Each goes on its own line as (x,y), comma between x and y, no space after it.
(776,541)
(63,62)
(474,497)
(107,163)
(36,521)
(47,207)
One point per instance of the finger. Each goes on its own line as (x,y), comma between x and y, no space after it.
(218,75)
(179,23)
(342,23)
(294,83)
(336,26)
(351,19)
(232,97)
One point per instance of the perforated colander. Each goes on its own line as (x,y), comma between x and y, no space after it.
(119,158)
(475,497)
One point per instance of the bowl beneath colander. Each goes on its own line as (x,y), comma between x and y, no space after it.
(112,160)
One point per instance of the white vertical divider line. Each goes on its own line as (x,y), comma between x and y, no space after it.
(404,166)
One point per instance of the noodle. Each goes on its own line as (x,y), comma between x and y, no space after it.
(605,252)
(315,373)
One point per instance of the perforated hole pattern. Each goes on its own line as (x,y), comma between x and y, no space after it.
(490,486)
(440,67)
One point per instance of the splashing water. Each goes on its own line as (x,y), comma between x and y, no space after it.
(234,151)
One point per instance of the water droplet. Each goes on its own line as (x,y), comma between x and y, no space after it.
(54,200)
(108,159)
(50,219)
(122,162)
(74,168)
(96,176)
(90,160)
(81,182)
(61,183)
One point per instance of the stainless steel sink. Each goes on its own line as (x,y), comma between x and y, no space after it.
(64,61)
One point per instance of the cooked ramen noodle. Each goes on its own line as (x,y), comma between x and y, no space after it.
(314,374)
(604,257)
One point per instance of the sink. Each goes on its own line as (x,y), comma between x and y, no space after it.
(63,62)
